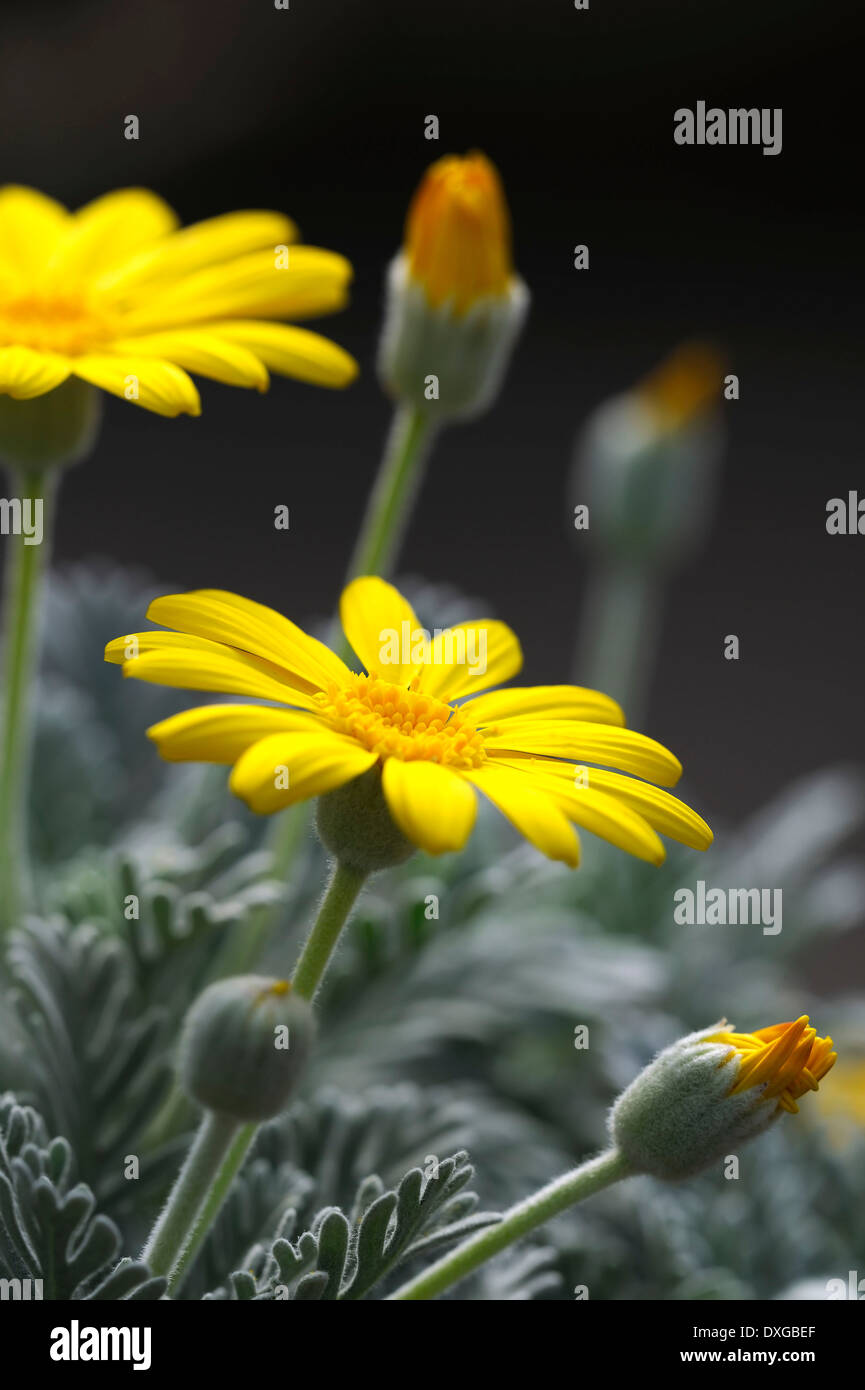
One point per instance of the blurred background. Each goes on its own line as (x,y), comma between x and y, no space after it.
(319,110)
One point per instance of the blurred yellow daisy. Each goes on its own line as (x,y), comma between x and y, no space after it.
(327,724)
(842,1105)
(117,295)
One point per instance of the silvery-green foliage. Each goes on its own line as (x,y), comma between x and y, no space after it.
(328,1144)
(50,1230)
(81,1044)
(95,994)
(347,1256)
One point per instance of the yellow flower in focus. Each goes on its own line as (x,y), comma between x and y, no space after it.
(325,725)
(458,236)
(786,1060)
(120,297)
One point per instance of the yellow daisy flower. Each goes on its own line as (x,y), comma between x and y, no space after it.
(785,1060)
(117,295)
(327,725)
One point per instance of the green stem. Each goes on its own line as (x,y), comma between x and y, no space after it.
(237,1152)
(342,890)
(26,565)
(397,483)
(344,886)
(201,1183)
(222,1143)
(526,1216)
(618,645)
(396,486)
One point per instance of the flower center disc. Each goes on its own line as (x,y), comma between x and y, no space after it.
(52,323)
(395,722)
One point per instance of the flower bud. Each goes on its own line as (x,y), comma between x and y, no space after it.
(243,1046)
(713,1090)
(454,306)
(354,823)
(646,462)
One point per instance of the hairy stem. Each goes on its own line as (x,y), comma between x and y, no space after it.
(526,1216)
(237,1151)
(202,1183)
(344,886)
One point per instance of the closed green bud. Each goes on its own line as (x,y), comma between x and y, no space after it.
(713,1090)
(243,1046)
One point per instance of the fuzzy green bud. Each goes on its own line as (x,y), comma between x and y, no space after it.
(354,823)
(678,1116)
(243,1046)
(446,364)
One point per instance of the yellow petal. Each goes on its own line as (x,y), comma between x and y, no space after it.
(381,625)
(110,230)
(433,806)
(587,743)
(254,286)
(470,656)
(458,232)
(202,244)
(191,663)
(202,351)
(221,733)
(31,226)
(155,385)
(311,763)
(291,351)
(544,701)
(252,627)
(781,1059)
(663,812)
(534,814)
(25,373)
(604,816)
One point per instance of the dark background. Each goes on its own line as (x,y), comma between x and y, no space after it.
(319,111)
